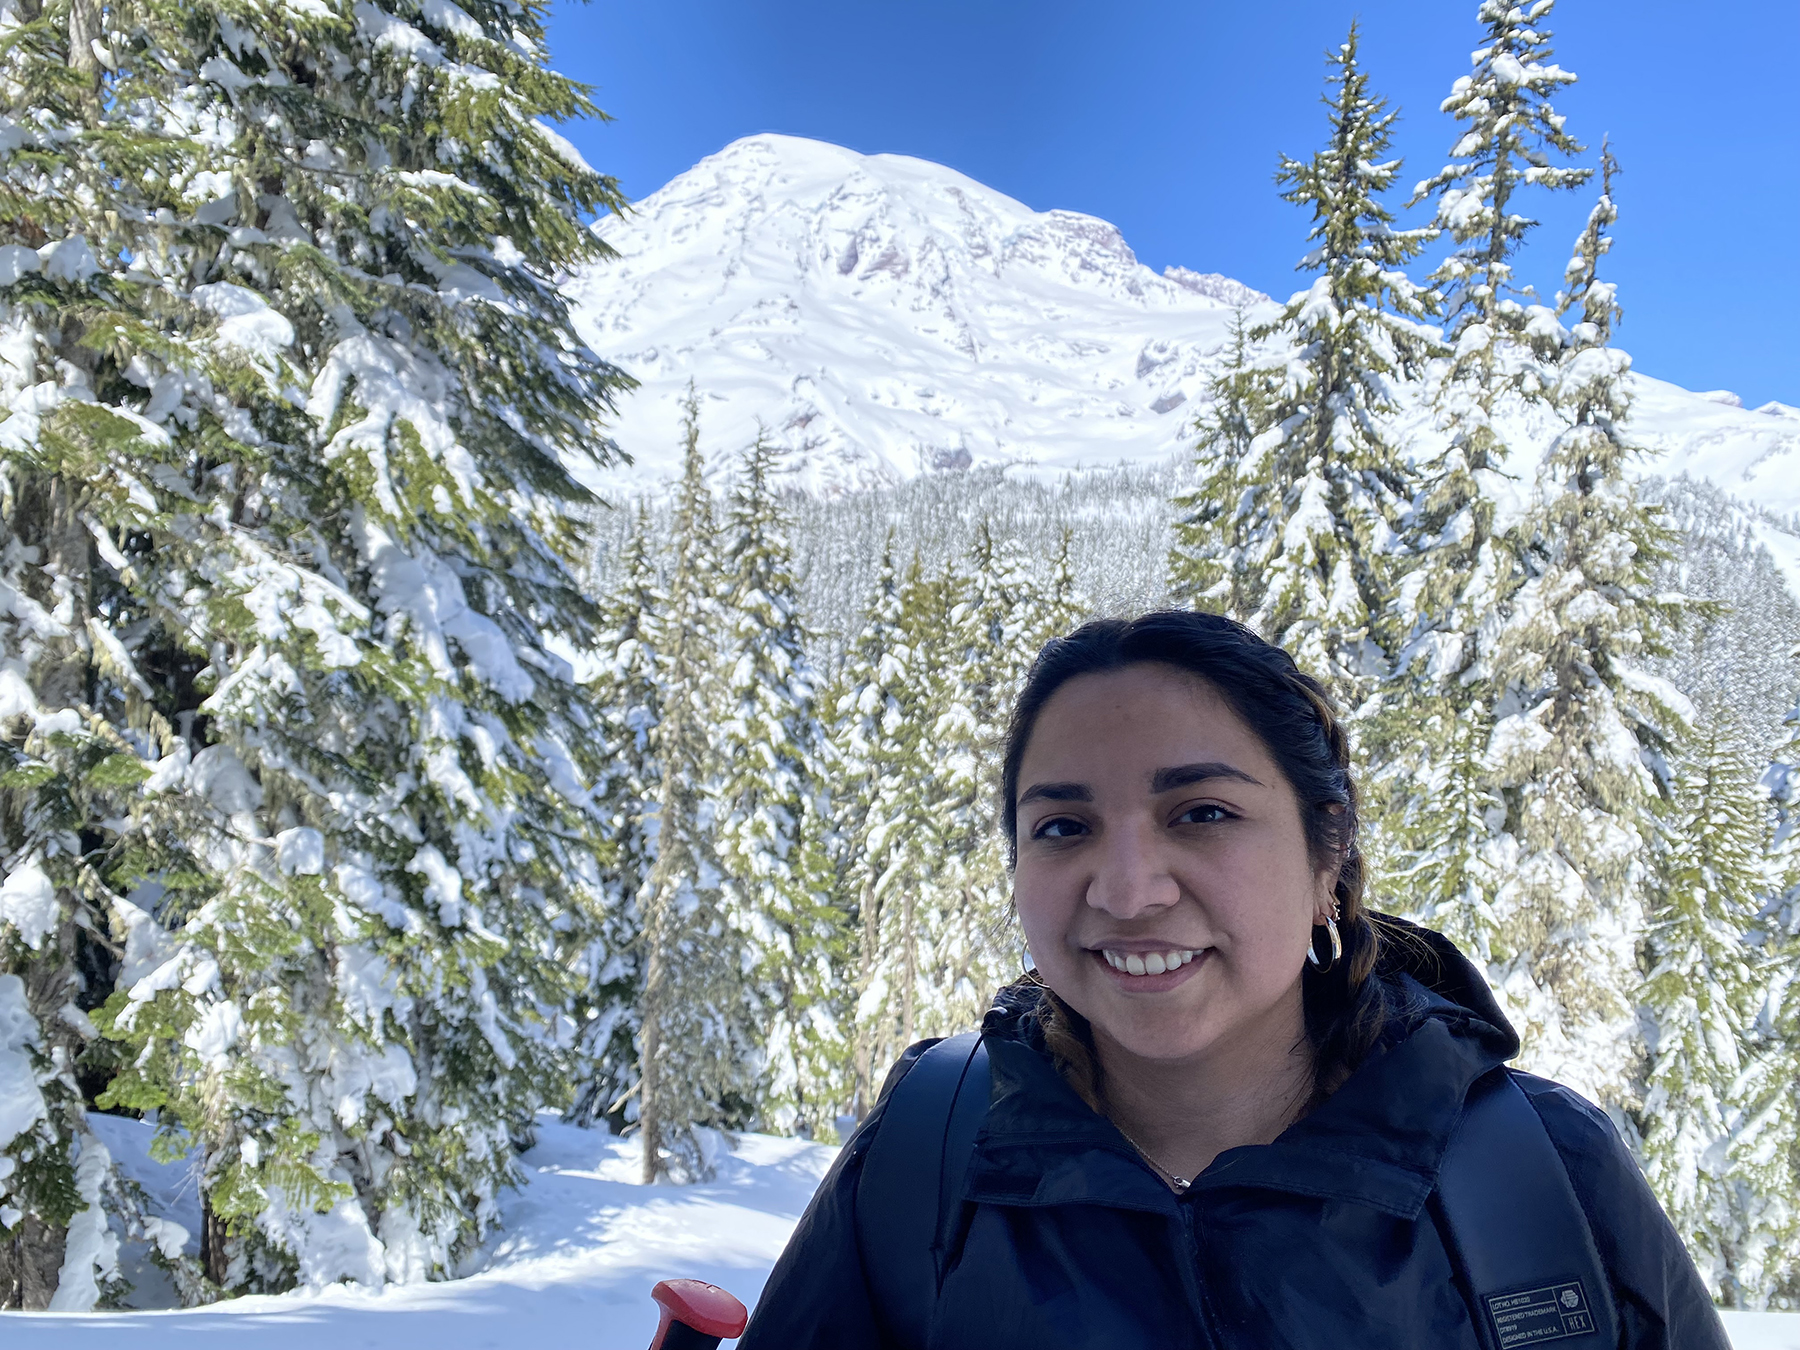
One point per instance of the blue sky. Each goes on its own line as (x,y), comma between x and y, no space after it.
(1167,118)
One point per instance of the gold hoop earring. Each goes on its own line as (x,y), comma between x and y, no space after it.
(1337,946)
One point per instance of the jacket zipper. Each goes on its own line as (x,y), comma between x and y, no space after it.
(1190,1273)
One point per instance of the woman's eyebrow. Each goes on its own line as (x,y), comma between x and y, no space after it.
(1057,792)
(1184,774)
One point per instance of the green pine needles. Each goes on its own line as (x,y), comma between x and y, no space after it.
(1291,530)
(301,792)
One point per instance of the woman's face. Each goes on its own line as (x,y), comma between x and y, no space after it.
(1156,834)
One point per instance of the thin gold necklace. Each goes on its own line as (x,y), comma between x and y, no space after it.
(1178,1184)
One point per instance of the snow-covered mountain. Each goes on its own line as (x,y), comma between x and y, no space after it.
(883,316)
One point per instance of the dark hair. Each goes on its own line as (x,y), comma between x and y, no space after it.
(1293,717)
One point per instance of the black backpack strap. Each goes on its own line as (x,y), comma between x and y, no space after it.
(1518,1232)
(908,1206)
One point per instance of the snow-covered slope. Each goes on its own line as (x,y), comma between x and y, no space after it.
(581,1246)
(884,316)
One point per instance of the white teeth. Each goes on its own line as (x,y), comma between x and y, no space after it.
(1152,963)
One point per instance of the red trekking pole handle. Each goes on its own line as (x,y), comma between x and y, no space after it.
(696,1315)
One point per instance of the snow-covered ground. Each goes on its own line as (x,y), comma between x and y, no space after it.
(582,1246)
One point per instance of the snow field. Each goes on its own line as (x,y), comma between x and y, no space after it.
(582,1246)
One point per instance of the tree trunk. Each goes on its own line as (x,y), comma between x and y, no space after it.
(49,518)
(215,1246)
(31,1261)
(865,1039)
(658,912)
(30,1264)
(84,32)
(910,973)
(650,1114)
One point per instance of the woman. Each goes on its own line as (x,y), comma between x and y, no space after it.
(1221,1110)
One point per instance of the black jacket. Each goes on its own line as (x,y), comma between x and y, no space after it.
(1320,1239)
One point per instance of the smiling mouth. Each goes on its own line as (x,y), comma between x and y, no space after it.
(1148,963)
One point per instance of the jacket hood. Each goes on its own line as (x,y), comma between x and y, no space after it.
(1377,1140)
(1434,962)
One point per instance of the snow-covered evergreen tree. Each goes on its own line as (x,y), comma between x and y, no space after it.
(627,691)
(1501,348)
(1782,780)
(1513,132)
(289,393)
(1205,554)
(696,1031)
(1708,1117)
(997,622)
(873,754)
(919,721)
(1307,515)
(1060,605)
(1457,574)
(898,864)
(1581,718)
(1766,1140)
(770,743)
(1740,654)
(1433,838)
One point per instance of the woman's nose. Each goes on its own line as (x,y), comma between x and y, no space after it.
(1130,877)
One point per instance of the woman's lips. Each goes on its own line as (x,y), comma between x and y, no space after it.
(1150,972)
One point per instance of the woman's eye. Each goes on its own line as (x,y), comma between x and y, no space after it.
(1204,814)
(1059,827)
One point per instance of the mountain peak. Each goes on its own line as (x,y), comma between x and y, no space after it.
(882,316)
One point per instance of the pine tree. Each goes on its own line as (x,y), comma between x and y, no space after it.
(1457,574)
(696,1043)
(996,625)
(1205,556)
(1308,513)
(1766,1139)
(1500,349)
(291,390)
(1059,606)
(920,721)
(1782,781)
(1582,713)
(1764,1150)
(770,743)
(627,690)
(1707,1113)
(1513,132)
(870,757)
(897,864)
(1433,837)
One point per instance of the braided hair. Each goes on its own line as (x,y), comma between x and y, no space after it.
(1346,1010)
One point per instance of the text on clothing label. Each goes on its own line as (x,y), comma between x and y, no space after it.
(1532,1316)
